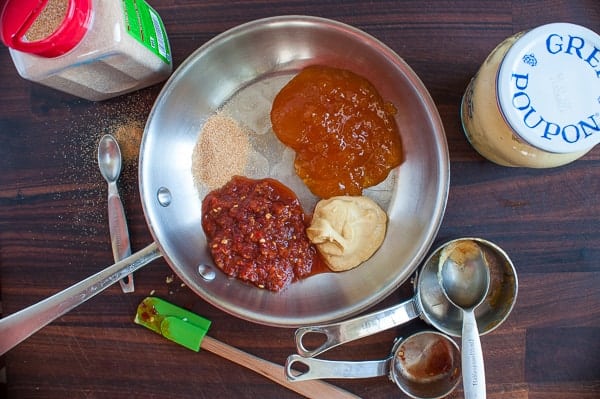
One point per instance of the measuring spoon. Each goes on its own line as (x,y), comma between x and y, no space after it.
(465,280)
(423,365)
(429,303)
(109,162)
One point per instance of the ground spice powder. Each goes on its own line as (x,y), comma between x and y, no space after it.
(221,151)
(48,21)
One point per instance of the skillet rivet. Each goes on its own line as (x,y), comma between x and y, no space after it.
(164,196)
(206,272)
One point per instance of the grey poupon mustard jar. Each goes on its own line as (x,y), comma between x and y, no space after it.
(535,101)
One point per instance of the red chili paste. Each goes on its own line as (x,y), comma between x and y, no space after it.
(256,231)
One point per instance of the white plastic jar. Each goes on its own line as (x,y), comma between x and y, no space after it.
(535,101)
(94,49)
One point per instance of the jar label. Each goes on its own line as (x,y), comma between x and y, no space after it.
(145,25)
(548,88)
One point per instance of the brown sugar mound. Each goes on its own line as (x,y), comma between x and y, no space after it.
(221,151)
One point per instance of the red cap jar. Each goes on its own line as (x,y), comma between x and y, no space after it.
(64,31)
(94,49)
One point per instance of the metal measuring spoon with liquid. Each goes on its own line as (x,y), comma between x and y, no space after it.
(425,365)
(429,303)
(464,276)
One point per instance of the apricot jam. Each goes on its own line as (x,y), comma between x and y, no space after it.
(343,132)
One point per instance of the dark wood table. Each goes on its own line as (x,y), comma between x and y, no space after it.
(54,229)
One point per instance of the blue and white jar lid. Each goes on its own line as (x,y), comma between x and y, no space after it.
(548,88)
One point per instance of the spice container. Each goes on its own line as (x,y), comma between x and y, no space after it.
(94,49)
(535,101)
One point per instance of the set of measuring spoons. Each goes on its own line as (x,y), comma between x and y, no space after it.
(466,288)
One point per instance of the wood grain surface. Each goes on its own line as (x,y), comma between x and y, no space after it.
(54,227)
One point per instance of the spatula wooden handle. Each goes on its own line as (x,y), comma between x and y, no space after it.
(274,372)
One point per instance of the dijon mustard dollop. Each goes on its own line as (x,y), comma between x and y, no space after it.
(347,230)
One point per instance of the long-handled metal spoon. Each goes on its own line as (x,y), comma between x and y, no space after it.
(465,280)
(109,161)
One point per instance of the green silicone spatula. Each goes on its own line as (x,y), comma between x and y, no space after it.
(189,330)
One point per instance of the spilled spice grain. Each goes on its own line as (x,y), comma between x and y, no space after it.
(221,151)
(124,117)
(129,137)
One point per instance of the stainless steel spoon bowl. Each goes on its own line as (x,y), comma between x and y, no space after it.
(109,158)
(464,276)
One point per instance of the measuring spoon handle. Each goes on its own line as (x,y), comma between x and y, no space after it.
(359,327)
(311,368)
(472,358)
(119,234)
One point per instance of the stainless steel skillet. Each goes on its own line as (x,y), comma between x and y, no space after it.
(239,72)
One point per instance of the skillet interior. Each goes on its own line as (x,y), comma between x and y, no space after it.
(268,52)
